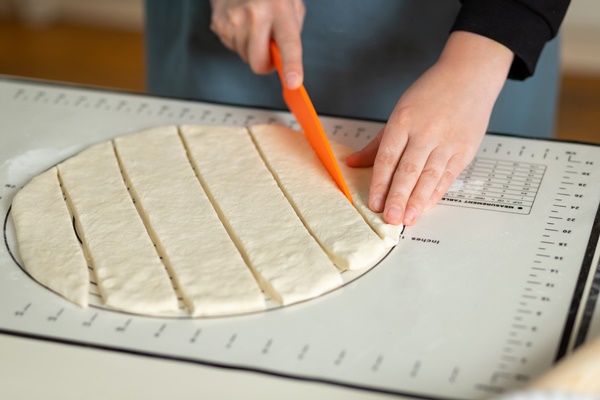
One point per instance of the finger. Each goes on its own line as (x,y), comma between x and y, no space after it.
(405,178)
(287,36)
(453,169)
(222,24)
(428,181)
(391,147)
(259,56)
(300,10)
(366,156)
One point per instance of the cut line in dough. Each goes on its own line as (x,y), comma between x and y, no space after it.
(285,258)
(208,270)
(130,275)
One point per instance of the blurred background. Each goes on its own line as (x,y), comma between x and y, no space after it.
(101,43)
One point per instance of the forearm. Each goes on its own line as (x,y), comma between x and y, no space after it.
(478,62)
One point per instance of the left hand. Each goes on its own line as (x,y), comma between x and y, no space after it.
(435,128)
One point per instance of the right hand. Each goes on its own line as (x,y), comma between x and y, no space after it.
(247,27)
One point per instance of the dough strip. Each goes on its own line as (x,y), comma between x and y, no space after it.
(48,245)
(338,227)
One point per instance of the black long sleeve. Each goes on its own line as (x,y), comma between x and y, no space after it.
(524,26)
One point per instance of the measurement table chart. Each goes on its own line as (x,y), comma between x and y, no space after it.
(505,185)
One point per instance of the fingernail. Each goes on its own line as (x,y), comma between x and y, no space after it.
(394,215)
(377,204)
(292,80)
(409,216)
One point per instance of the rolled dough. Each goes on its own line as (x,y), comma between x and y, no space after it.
(205,216)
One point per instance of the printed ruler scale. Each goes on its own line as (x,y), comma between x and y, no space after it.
(480,297)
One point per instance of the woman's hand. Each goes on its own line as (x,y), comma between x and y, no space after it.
(247,26)
(435,129)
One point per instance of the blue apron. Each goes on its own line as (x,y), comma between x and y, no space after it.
(359,57)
